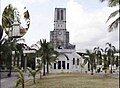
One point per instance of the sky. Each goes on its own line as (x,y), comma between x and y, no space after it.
(86,21)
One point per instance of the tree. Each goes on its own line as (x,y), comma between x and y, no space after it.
(39,66)
(8,45)
(7,18)
(115,23)
(46,52)
(51,56)
(105,60)
(90,59)
(33,73)
(20,77)
(41,52)
(110,50)
(98,54)
(6,52)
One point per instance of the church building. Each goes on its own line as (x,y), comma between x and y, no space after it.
(68,60)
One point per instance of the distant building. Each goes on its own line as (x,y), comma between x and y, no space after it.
(68,60)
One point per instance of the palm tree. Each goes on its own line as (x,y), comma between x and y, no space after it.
(6,52)
(115,23)
(98,54)
(43,53)
(20,77)
(33,72)
(7,18)
(39,66)
(46,52)
(105,60)
(110,50)
(51,56)
(90,59)
(8,45)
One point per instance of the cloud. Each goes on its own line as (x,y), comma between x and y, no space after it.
(88,29)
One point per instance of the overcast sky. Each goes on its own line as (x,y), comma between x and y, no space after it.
(86,21)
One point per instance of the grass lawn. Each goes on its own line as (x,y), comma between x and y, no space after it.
(74,81)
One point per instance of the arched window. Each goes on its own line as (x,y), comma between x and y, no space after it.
(61,14)
(58,14)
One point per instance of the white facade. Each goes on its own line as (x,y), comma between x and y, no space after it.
(68,60)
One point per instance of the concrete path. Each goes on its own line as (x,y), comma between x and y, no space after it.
(10,82)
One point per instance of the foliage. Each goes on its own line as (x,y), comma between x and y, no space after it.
(7,17)
(110,51)
(105,60)
(33,72)
(90,59)
(39,66)
(98,54)
(20,77)
(115,23)
(46,52)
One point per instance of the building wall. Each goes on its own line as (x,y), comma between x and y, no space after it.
(67,56)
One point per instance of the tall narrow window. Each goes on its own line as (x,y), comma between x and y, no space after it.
(54,65)
(77,61)
(67,65)
(61,14)
(59,64)
(57,14)
(73,61)
(63,64)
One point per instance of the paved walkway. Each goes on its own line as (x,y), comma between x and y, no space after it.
(11,81)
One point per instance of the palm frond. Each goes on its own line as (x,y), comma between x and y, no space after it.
(20,71)
(18,82)
(114,25)
(112,3)
(113,14)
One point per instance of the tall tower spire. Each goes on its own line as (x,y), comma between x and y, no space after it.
(60,18)
(60,37)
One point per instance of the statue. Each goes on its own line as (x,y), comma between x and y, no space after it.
(16,16)
(16,24)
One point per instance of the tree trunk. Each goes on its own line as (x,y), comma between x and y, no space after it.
(34,80)
(40,75)
(91,69)
(23,84)
(111,69)
(111,65)
(105,72)
(9,74)
(44,69)
(47,68)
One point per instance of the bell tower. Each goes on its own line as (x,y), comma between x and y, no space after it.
(60,36)
(60,18)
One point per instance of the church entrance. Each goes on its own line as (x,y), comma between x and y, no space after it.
(61,64)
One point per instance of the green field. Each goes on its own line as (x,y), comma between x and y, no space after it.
(74,81)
